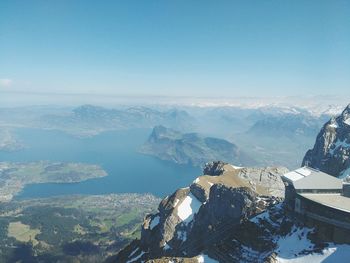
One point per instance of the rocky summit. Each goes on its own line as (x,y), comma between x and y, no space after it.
(230,214)
(331,151)
(214,207)
(237,214)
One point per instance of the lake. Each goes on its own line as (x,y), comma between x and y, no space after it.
(116,152)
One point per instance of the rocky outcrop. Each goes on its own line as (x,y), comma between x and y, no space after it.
(214,168)
(212,208)
(331,151)
(273,236)
(265,179)
(192,148)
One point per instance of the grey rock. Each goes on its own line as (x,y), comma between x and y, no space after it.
(331,151)
(231,198)
(268,177)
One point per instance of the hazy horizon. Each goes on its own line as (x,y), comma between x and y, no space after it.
(319,103)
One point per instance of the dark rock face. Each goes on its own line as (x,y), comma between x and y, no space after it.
(224,211)
(331,151)
(154,237)
(211,215)
(216,204)
(225,206)
(199,192)
(214,168)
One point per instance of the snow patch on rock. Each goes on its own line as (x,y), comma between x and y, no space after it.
(294,243)
(188,208)
(154,222)
(347,121)
(136,258)
(338,144)
(237,167)
(166,247)
(182,235)
(345,173)
(334,125)
(176,202)
(205,259)
(196,180)
(264,216)
(332,254)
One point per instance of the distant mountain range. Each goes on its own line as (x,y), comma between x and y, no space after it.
(89,120)
(287,125)
(192,148)
(253,128)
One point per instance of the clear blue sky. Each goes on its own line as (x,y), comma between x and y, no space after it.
(182,47)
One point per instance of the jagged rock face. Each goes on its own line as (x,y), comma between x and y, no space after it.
(158,229)
(225,210)
(195,217)
(214,168)
(268,178)
(176,233)
(332,147)
(269,237)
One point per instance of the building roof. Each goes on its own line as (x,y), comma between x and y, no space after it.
(336,201)
(311,179)
(297,174)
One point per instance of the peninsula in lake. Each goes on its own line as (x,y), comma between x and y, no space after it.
(192,148)
(14,176)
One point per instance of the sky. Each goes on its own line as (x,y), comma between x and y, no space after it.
(175,48)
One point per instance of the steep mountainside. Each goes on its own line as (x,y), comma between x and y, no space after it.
(331,151)
(194,218)
(230,214)
(191,148)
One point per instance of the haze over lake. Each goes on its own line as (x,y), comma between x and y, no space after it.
(116,152)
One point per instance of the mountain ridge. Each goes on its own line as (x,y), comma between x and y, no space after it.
(192,148)
(331,150)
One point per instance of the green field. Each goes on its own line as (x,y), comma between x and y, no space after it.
(22,232)
(72,227)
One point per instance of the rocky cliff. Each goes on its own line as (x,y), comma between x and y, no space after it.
(194,218)
(331,151)
(230,214)
(236,214)
(192,148)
